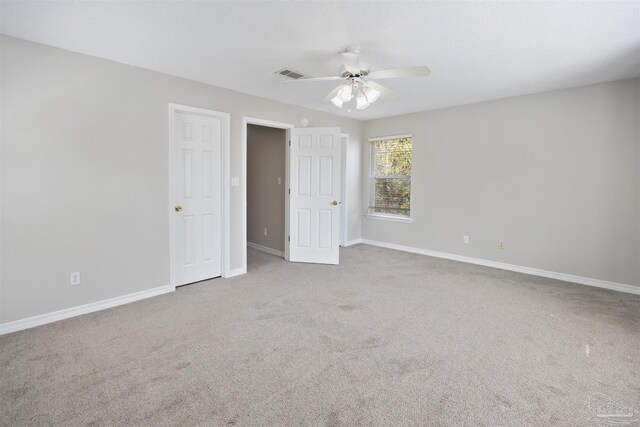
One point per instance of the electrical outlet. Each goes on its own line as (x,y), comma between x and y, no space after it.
(500,244)
(265,231)
(465,240)
(75,278)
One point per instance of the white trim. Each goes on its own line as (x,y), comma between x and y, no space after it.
(344,223)
(172,281)
(384,138)
(287,195)
(226,180)
(226,198)
(265,249)
(1,245)
(268,123)
(43,319)
(351,243)
(620,287)
(236,272)
(390,218)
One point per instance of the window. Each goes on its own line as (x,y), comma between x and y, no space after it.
(390,178)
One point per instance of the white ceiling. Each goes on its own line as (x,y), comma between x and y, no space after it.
(477,51)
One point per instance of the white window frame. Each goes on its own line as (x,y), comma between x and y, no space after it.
(388,217)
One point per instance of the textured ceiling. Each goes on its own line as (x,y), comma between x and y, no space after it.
(477,51)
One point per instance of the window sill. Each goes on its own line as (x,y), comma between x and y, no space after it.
(389,218)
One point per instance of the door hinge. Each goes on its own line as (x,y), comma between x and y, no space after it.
(288,238)
(289,143)
(289,191)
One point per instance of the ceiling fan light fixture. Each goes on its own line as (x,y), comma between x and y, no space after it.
(372,94)
(357,82)
(337,101)
(361,101)
(346,93)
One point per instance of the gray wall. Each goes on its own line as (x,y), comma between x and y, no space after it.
(555,175)
(85,178)
(266,162)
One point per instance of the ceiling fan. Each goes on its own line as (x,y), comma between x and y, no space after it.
(359,84)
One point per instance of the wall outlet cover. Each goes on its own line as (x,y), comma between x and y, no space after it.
(75,278)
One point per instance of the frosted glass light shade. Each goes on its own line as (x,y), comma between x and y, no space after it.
(371,94)
(361,102)
(346,93)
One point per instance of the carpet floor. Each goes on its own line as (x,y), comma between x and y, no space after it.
(387,338)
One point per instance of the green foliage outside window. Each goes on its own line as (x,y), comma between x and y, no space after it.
(391,176)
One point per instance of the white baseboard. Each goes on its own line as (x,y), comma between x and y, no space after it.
(265,249)
(236,272)
(620,287)
(30,322)
(351,243)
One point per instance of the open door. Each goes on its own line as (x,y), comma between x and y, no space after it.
(315,185)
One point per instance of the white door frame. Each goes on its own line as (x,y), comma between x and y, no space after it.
(226,168)
(344,225)
(272,124)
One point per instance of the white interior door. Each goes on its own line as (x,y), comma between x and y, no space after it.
(314,210)
(197,193)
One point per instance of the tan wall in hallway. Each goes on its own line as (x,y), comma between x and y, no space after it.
(265,197)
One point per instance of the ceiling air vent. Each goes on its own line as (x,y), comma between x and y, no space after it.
(289,73)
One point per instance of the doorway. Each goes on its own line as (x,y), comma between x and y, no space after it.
(246,122)
(266,188)
(291,132)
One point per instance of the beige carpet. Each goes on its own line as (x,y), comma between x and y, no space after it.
(387,338)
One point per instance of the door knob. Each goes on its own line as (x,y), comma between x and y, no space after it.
(178,208)
(334,203)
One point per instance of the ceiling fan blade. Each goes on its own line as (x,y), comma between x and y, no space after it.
(384,92)
(314,79)
(400,72)
(351,62)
